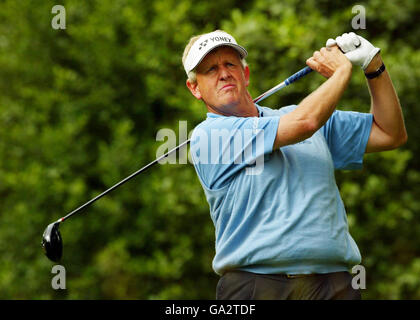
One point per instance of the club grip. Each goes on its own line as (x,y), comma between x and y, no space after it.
(297,75)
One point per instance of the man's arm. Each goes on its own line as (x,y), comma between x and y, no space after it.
(315,109)
(388,129)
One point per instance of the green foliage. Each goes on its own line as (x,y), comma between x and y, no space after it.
(80,109)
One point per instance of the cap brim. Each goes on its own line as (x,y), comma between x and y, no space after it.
(241,50)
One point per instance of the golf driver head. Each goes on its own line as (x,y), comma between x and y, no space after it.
(52,242)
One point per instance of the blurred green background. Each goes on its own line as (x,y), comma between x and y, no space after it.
(80,109)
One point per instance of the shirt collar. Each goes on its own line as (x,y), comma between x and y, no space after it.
(215,115)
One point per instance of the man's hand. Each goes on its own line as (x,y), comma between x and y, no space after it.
(357,49)
(327,61)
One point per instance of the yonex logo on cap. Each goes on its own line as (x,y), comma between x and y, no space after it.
(224,39)
(203,44)
(214,39)
(208,42)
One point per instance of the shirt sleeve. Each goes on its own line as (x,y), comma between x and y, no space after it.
(223,146)
(347,134)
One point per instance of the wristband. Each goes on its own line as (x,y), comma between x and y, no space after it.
(375,74)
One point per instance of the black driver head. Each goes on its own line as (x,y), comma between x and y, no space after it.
(52,242)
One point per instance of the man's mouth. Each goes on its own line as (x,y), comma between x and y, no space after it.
(227,87)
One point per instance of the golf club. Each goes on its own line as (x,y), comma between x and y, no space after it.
(52,242)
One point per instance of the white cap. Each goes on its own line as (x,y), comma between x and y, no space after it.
(206,43)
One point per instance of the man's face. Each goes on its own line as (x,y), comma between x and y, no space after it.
(221,79)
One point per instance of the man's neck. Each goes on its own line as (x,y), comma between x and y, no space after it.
(245,109)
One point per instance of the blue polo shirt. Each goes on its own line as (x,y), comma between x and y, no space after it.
(278,211)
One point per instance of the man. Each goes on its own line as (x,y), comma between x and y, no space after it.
(282,233)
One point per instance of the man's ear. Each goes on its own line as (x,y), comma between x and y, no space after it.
(195,90)
(246,73)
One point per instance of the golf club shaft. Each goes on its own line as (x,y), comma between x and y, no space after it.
(301,73)
(123,181)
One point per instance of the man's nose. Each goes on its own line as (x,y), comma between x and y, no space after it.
(224,73)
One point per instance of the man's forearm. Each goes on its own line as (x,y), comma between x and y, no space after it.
(385,106)
(315,109)
(321,103)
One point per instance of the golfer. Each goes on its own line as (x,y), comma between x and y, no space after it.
(281,231)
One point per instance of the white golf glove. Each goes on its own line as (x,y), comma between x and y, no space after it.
(356,48)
